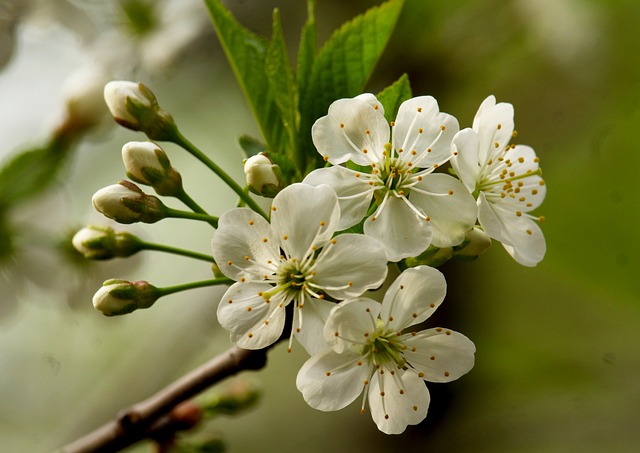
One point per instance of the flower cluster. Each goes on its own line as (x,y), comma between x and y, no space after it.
(306,268)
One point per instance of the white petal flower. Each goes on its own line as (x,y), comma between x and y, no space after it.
(292,259)
(505,179)
(370,355)
(412,207)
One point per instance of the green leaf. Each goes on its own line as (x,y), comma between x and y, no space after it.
(282,83)
(307,47)
(394,95)
(345,63)
(29,173)
(247,55)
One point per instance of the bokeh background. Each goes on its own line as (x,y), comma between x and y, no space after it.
(558,345)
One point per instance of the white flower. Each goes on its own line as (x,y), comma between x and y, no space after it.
(370,352)
(413,206)
(504,178)
(293,259)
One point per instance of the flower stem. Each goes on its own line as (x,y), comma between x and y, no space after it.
(177,214)
(176,251)
(195,207)
(182,141)
(193,285)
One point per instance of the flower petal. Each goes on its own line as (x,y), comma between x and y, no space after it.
(349,265)
(351,322)
(243,245)
(449,205)
(420,126)
(494,125)
(439,354)
(310,320)
(303,216)
(353,130)
(413,297)
(397,402)
(520,235)
(253,322)
(529,192)
(399,229)
(465,158)
(354,192)
(331,381)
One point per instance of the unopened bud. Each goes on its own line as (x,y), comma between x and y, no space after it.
(127,203)
(433,257)
(134,106)
(476,242)
(119,297)
(83,100)
(241,394)
(263,176)
(98,242)
(147,163)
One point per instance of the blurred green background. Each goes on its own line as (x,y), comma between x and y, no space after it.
(558,357)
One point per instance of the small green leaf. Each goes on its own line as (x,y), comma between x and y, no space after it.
(345,63)
(247,55)
(282,83)
(394,95)
(307,48)
(30,172)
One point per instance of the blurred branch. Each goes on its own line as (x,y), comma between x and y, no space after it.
(137,422)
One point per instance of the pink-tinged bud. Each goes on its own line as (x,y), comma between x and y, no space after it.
(119,297)
(127,203)
(147,163)
(98,242)
(263,176)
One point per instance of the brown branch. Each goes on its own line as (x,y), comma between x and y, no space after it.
(134,423)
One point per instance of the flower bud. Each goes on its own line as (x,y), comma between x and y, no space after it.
(97,242)
(127,203)
(83,95)
(147,163)
(433,257)
(134,106)
(119,297)
(476,242)
(263,176)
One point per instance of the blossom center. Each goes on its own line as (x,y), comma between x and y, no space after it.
(393,175)
(385,348)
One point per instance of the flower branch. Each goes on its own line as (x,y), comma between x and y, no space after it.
(135,423)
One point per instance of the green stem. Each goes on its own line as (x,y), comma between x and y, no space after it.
(176,251)
(182,141)
(177,214)
(193,285)
(195,207)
